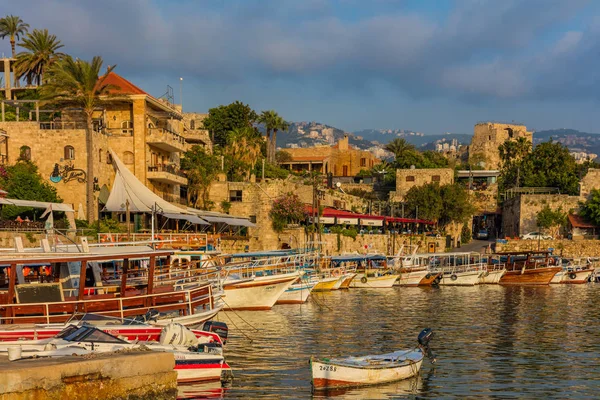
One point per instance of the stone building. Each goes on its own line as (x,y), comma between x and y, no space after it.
(340,159)
(410,177)
(194,132)
(146,133)
(488,136)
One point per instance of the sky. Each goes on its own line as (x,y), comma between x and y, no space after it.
(430,66)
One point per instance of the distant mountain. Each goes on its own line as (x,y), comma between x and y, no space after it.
(575,140)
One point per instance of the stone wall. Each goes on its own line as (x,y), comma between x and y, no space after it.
(519,213)
(409,178)
(588,183)
(564,247)
(488,136)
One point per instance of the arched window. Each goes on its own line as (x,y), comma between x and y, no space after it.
(126,126)
(128,157)
(193,124)
(69,153)
(151,125)
(25,153)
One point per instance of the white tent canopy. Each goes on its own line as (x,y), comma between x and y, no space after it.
(37,204)
(141,199)
(220,218)
(190,218)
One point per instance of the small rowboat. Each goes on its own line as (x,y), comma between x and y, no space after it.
(370,370)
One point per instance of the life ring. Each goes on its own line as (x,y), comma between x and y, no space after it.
(363,279)
(453,277)
(159,245)
(572,275)
(428,276)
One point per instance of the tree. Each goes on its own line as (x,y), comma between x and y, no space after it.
(287,209)
(456,206)
(224,119)
(551,219)
(201,169)
(23,181)
(425,201)
(591,208)
(40,55)
(242,151)
(283,156)
(280,124)
(78,83)
(13,27)
(268,119)
(406,154)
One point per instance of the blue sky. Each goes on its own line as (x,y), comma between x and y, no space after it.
(430,66)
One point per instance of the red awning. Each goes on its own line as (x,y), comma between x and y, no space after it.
(577,221)
(332,212)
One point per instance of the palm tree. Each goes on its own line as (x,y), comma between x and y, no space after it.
(400,147)
(13,27)
(280,124)
(243,146)
(269,120)
(78,83)
(40,56)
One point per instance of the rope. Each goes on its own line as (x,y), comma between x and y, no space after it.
(239,329)
(239,316)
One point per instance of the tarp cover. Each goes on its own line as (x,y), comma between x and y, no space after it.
(37,204)
(128,187)
(190,218)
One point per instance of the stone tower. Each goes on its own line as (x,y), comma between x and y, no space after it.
(488,136)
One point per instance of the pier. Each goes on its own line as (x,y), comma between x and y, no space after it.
(141,375)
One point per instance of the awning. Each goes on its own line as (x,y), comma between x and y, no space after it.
(37,204)
(347,221)
(371,222)
(324,220)
(228,221)
(190,218)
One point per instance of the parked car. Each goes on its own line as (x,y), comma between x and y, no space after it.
(483,234)
(536,236)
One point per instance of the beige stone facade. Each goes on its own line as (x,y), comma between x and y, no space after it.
(147,134)
(194,132)
(488,136)
(563,247)
(519,214)
(589,182)
(409,178)
(340,159)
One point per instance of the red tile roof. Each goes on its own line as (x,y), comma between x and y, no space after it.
(577,221)
(122,85)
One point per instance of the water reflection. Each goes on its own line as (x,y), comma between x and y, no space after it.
(491,341)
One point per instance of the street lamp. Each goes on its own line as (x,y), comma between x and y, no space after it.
(181,92)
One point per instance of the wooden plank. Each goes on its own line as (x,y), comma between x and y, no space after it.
(82,280)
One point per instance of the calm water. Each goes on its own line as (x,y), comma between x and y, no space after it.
(491,341)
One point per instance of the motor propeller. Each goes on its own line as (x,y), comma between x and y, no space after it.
(424,338)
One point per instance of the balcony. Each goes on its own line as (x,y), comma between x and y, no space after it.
(166,174)
(166,140)
(197,136)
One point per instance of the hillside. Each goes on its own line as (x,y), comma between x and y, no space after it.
(575,140)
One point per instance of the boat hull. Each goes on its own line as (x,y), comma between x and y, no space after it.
(339,282)
(325,284)
(576,277)
(327,375)
(347,279)
(192,371)
(259,294)
(383,281)
(297,293)
(414,278)
(468,278)
(492,277)
(537,276)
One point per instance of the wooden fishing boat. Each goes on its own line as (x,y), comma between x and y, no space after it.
(457,269)
(370,370)
(196,359)
(528,268)
(129,281)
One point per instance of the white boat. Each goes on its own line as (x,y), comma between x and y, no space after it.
(371,271)
(458,269)
(259,293)
(298,292)
(456,277)
(492,273)
(412,277)
(196,359)
(374,279)
(370,370)
(573,274)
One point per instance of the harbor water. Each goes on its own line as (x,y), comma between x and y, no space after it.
(491,341)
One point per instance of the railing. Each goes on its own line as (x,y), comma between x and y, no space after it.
(119,131)
(171,169)
(58,125)
(184,302)
(173,240)
(166,135)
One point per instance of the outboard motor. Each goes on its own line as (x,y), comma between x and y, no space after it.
(220,328)
(424,338)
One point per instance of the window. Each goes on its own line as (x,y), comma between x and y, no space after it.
(25,153)
(128,157)
(193,124)
(253,219)
(235,195)
(435,178)
(363,162)
(108,158)
(410,179)
(99,155)
(69,153)
(126,126)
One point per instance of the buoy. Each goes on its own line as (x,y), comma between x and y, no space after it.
(572,275)
(453,277)
(363,279)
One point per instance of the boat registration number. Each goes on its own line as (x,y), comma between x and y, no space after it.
(327,368)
